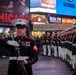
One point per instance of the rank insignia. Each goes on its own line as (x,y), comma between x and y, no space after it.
(35,48)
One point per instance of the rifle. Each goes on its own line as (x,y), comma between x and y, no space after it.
(21,64)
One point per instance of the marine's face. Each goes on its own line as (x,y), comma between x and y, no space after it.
(20,31)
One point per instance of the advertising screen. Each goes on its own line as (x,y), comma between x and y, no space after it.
(38,19)
(62,7)
(48,6)
(66,7)
(68,21)
(54,20)
(13,9)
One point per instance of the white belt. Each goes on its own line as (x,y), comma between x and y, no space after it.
(74,44)
(13,58)
(65,41)
(62,42)
(23,57)
(19,58)
(70,42)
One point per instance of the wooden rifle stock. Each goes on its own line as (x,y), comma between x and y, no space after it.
(21,65)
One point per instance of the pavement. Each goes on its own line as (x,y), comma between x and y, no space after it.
(50,66)
(3,66)
(44,66)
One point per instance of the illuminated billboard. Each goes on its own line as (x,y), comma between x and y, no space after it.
(48,6)
(13,9)
(38,19)
(54,19)
(63,7)
(66,7)
(68,21)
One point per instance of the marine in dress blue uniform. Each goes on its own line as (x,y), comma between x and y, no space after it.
(26,47)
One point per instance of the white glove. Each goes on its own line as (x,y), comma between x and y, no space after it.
(23,58)
(12,43)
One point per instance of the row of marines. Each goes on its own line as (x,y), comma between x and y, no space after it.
(66,43)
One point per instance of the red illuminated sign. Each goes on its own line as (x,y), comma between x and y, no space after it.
(8,18)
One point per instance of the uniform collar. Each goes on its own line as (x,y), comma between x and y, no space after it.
(21,37)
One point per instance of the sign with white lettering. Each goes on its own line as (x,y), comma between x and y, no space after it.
(52,19)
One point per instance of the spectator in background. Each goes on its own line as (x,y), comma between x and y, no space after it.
(38,43)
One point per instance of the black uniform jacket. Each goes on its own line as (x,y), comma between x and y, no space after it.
(27,48)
